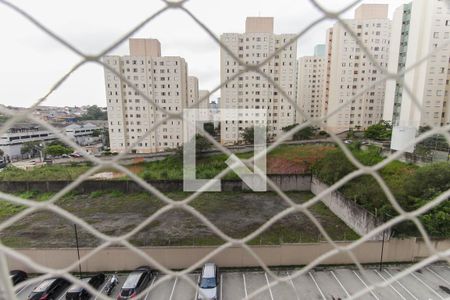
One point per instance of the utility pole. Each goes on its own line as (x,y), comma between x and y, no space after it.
(78,249)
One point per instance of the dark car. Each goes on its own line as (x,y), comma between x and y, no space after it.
(17,276)
(49,289)
(136,282)
(79,293)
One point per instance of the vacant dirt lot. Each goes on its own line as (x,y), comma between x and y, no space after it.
(113,213)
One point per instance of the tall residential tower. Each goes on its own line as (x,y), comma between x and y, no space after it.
(311,80)
(349,69)
(163,79)
(251,90)
(429,81)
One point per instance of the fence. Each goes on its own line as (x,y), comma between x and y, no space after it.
(429,250)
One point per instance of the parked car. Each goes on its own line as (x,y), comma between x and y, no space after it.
(136,282)
(49,289)
(209,282)
(77,292)
(17,276)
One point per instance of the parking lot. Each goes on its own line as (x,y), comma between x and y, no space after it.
(432,282)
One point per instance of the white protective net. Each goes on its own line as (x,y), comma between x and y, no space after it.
(123,240)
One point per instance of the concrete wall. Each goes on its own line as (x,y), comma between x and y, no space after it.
(294,182)
(114,259)
(355,216)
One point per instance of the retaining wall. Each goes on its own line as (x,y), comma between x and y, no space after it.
(115,259)
(356,217)
(294,182)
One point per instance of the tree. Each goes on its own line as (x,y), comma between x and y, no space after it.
(94,113)
(424,185)
(248,135)
(29,147)
(201,144)
(380,131)
(209,128)
(303,134)
(57,150)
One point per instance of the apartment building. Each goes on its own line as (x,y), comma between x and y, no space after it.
(311,83)
(349,69)
(163,79)
(251,90)
(192,91)
(429,81)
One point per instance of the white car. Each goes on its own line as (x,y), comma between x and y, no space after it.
(208,285)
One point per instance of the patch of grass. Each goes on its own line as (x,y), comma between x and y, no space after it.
(235,213)
(169,168)
(116,194)
(41,173)
(96,194)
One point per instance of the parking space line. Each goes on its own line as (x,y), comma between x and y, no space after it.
(315,282)
(426,285)
(371,292)
(22,289)
(392,287)
(197,278)
(293,285)
(438,276)
(245,286)
(403,287)
(340,283)
(151,284)
(221,285)
(268,285)
(173,288)
(103,287)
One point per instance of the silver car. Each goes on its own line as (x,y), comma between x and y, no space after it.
(209,283)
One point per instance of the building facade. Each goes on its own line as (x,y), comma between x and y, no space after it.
(83,134)
(11,141)
(251,90)
(311,83)
(163,79)
(429,81)
(349,69)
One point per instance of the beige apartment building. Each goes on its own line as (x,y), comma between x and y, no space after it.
(420,27)
(311,83)
(251,90)
(349,70)
(163,79)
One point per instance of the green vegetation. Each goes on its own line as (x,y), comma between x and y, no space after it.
(380,131)
(289,159)
(235,213)
(47,172)
(30,148)
(304,134)
(94,113)
(57,150)
(412,187)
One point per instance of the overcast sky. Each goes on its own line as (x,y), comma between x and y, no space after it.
(31,62)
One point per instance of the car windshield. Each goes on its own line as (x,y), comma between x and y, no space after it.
(127,292)
(43,286)
(132,280)
(76,288)
(208,283)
